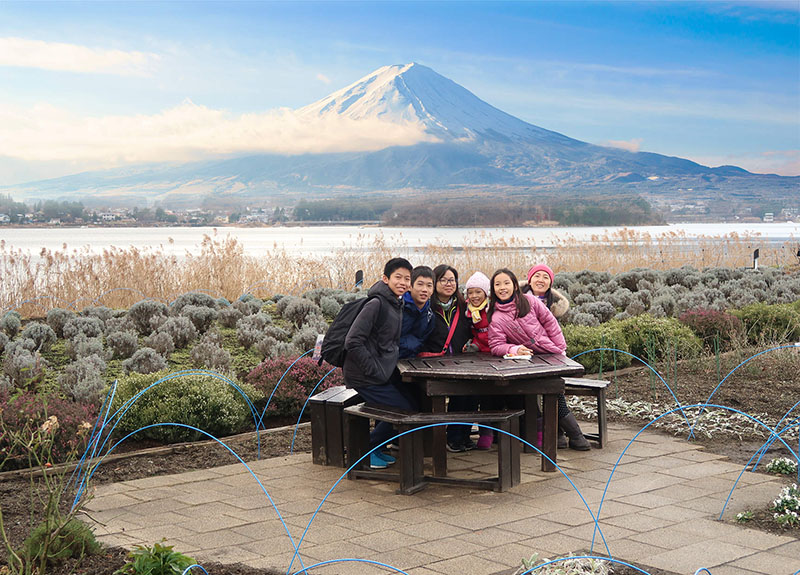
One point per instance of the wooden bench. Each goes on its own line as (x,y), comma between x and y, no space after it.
(410,460)
(591,388)
(327,424)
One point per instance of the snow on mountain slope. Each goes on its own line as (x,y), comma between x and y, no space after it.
(413,93)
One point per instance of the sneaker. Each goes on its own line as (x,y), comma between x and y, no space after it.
(455,447)
(485,442)
(389,459)
(469,445)
(375,462)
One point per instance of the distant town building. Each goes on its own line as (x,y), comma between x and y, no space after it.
(5,219)
(769,217)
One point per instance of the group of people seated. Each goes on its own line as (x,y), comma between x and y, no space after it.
(419,311)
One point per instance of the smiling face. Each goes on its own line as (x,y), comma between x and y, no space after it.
(503,286)
(446,286)
(540,283)
(399,281)
(421,291)
(475,296)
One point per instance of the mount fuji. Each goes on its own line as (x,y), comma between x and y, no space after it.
(464,145)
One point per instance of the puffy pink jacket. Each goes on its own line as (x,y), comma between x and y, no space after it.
(539,330)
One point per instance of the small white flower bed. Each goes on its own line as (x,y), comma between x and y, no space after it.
(713,422)
(786,508)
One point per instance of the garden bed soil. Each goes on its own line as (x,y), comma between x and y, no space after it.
(770,386)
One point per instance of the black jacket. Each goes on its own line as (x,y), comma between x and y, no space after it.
(371,343)
(441,327)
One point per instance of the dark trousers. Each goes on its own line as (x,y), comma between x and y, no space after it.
(393,393)
(460,433)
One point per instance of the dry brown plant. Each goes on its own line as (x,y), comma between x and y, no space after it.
(118,277)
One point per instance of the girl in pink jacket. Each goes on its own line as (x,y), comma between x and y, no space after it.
(520,324)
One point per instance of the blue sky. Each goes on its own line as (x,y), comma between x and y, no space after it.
(95,85)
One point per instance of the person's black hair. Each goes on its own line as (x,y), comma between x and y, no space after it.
(395,264)
(521,303)
(438,272)
(548,295)
(421,272)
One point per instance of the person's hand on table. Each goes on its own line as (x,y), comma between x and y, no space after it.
(521,350)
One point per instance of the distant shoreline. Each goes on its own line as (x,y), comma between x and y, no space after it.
(363,224)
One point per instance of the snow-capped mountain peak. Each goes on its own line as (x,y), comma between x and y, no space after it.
(413,93)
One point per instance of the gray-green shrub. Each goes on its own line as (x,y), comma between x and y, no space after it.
(82,346)
(329,306)
(248,304)
(145,360)
(102,313)
(122,344)
(228,316)
(250,329)
(181,329)
(201,401)
(122,323)
(197,299)
(210,354)
(201,317)
(299,309)
(10,323)
(21,365)
(160,341)
(86,326)
(143,311)
(41,334)
(57,319)
(305,338)
(83,380)
(3,342)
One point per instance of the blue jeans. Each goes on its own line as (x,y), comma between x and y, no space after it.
(393,393)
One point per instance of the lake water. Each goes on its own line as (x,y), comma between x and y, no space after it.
(323,240)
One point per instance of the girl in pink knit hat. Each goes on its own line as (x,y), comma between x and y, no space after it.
(540,284)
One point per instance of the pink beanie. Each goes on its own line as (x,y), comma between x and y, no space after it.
(478,280)
(541,268)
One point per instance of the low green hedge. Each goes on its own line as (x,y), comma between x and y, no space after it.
(201,401)
(633,335)
(582,338)
(767,324)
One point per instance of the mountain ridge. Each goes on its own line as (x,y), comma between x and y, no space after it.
(470,143)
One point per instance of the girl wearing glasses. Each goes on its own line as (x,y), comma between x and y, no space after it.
(450,332)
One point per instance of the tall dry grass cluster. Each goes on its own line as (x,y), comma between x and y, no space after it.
(77,278)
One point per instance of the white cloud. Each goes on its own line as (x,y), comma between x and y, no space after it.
(633,145)
(781,162)
(25,53)
(323,78)
(187,132)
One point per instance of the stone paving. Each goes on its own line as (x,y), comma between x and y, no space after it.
(660,511)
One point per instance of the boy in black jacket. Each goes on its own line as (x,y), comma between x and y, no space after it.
(372,351)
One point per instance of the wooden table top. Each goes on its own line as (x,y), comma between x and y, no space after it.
(484,366)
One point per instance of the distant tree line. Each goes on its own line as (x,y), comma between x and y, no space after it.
(489,212)
(341,210)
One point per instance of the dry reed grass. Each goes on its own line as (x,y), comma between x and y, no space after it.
(119,277)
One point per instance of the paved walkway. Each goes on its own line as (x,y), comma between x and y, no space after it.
(660,511)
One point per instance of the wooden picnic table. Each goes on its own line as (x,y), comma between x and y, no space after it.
(479,374)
